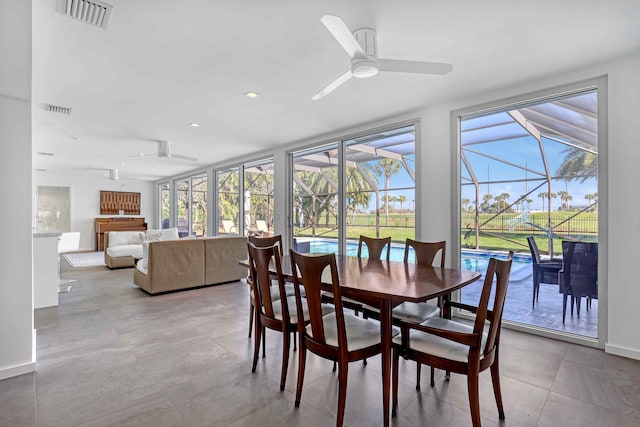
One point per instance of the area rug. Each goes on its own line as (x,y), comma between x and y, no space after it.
(85,259)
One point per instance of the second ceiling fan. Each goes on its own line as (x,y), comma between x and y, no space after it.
(362,49)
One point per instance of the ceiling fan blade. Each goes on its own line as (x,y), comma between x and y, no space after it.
(178,156)
(339,30)
(334,84)
(398,65)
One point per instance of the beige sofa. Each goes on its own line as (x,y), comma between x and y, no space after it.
(181,264)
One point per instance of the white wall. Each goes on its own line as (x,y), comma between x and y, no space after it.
(85,200)
(16,281)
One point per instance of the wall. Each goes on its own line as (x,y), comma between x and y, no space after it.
(17,336)
(85,200)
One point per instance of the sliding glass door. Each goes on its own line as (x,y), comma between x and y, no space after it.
(531,170)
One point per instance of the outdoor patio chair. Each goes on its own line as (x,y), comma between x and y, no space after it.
(544,271)
(579,275)
(458,347)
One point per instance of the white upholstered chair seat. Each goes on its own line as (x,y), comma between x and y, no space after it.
(438,346)
(416,312)
(275,292)
(293,312)
(361,333)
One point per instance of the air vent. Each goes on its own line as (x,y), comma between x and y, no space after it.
(91,12)
(42,153)
(57,109)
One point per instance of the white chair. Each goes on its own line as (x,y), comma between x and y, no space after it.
(68,242)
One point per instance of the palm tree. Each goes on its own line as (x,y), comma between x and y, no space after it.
(387,167)
(543,196)
(485,206)
(502,200)
(565,197)
(465,203)
(591,197)
(402,198)
(578,164)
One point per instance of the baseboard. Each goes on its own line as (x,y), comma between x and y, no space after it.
(631,353)
(14,371)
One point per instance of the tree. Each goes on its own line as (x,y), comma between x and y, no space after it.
(543,196)
(387,167)
(485,206)
(502,200)
(591,197)
(565,197)
(402,198)
(465,203)
(578,164)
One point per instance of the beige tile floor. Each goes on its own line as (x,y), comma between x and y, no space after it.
(109,354)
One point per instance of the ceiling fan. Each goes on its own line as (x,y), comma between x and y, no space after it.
(164,152)
(361,48)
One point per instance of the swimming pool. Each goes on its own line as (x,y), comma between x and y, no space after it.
(470,260)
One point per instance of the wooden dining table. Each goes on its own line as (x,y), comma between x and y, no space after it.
(386,284)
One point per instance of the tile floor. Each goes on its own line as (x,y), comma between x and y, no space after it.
(110,354)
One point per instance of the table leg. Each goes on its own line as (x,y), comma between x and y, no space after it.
(385,336)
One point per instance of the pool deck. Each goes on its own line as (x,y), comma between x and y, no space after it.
(548,309)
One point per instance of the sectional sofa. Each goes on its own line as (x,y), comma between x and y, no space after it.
(187,263)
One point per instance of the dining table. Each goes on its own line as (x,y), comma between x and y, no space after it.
(385,284)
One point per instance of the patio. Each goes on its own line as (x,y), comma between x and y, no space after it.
(548,309)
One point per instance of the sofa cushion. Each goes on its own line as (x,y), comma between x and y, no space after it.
(165,234)
(142,266)
(124,250)
(170,233)
(118,238)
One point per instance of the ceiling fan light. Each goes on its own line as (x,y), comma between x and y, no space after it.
(364,69)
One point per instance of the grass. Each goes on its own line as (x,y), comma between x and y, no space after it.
(502,233)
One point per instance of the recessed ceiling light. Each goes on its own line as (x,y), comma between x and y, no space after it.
(194,125)
(42,153)
(251,94)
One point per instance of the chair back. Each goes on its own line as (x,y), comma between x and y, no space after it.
(498,270)
(310,272)
(374,246)
(533,247)
(426,252)
(262,242)
(580,268)
(259,261)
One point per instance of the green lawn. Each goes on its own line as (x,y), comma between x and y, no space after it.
(506,232)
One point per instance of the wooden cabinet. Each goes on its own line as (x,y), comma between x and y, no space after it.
(103,225)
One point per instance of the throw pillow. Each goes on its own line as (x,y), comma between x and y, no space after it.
(153,237)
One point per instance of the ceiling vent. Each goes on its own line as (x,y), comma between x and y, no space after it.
(91,12)
(57,109)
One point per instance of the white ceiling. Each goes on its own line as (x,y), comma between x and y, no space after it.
(161,65)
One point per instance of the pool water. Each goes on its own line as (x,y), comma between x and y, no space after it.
(470,260)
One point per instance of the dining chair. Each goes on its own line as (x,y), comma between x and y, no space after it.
(278,315)
(262,242)
(374,246)
(338,336)
(425,254)
(458,347)
(579,275)
(544,271)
